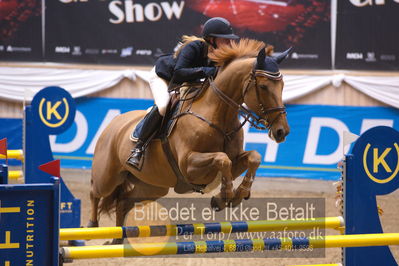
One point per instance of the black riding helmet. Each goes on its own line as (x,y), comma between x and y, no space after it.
(218,27)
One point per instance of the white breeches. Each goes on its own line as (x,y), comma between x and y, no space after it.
(159,90)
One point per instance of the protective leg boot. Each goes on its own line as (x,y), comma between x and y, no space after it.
(145,129)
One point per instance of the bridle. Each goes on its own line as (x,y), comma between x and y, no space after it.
(259,121)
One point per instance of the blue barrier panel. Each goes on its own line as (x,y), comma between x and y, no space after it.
(29,221)
(3,174)
(316,135)
(312,149)
(52,112)
(371,170)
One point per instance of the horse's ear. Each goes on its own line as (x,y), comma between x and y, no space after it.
(283,55)
(260,60)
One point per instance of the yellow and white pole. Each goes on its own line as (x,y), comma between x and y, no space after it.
(14,154)
(198,229)
(173,248)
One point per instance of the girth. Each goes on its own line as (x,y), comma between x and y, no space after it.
(182,185)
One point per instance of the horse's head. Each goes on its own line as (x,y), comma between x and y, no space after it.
(263,94)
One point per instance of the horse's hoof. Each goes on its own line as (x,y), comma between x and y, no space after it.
(217,204)
(247,197)
(92,224)
(115,241)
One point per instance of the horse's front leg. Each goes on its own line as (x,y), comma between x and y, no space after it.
(248,160)
(201,165)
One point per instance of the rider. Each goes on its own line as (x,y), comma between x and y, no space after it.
(189,63)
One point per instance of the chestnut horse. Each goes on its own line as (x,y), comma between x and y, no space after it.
(206,141)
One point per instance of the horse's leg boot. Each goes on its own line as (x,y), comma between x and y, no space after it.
(146,128)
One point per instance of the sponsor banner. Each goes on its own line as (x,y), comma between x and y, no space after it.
(136,31)
(304,25)
(367,35)
(312,149)
(113,31)
(21,30)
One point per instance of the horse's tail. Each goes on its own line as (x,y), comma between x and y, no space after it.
(108,203)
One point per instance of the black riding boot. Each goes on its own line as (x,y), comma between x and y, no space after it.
(145,129)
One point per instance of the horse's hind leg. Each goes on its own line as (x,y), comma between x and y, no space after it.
(94,201)
(140,192)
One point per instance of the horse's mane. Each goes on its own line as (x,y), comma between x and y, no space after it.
(225,54)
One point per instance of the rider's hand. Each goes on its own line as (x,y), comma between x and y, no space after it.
(210,71)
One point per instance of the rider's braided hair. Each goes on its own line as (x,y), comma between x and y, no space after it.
(186,39)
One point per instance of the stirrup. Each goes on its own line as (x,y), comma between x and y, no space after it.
(136,158)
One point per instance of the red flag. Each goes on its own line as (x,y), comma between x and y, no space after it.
(3,147)
(52,168)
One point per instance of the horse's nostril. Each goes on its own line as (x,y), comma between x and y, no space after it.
(280,133)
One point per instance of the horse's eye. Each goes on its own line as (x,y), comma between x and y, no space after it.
(263,87)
